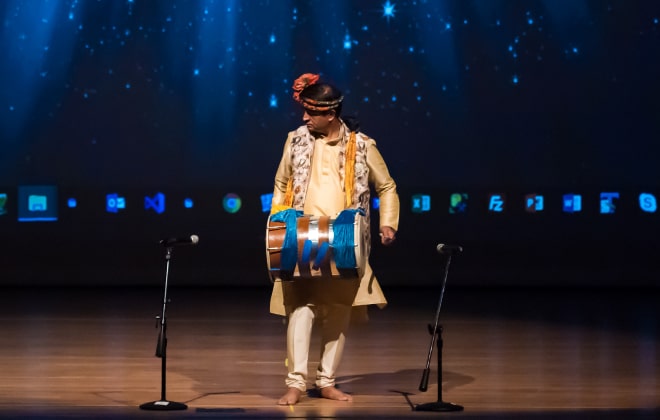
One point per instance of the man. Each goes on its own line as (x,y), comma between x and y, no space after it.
(327,166)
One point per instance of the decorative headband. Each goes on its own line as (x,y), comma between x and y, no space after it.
(309,79)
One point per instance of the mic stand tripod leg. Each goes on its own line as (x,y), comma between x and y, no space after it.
(161,351)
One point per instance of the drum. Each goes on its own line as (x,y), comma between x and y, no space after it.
(316,247)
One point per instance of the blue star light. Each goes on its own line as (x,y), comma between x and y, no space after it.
(388,10)
(347,42)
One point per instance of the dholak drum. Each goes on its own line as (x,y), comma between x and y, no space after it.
(322,248)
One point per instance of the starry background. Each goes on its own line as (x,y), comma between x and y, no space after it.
(194,96)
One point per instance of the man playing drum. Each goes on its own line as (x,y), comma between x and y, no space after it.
(328,167)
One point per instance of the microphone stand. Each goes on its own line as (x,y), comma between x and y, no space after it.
(161,351)
(436,333)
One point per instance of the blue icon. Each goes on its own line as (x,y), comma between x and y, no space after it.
(496,203)
(608,202)
(188,203)
(421,203)
(648,203)
(572,203)
(458,203)
(266,202)
(156,203)
(37,203)
(231,203)
(533,203)
(114,203)
(3,203)
(72,203)
(375,203)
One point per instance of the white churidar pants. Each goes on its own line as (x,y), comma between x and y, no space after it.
(335,320)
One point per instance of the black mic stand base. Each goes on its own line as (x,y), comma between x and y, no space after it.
(163,406)
(438,406)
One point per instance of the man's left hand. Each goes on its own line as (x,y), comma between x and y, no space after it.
(387,235)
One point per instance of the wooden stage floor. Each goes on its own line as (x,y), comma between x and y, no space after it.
(537,353)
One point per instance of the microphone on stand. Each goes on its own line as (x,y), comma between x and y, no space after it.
(170,242)
(449,249)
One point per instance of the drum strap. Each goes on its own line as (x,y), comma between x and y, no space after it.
(349,178)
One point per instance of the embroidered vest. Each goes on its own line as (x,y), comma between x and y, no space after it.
(352,161)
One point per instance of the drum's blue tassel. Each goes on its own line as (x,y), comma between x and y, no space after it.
(289,256)
(343,245)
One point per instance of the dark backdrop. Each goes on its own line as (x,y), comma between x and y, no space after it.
(192,99)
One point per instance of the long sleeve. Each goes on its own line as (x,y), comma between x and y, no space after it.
(385,188)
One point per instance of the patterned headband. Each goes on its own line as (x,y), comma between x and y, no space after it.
(309,79)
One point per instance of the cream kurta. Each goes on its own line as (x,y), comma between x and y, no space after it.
(326,197)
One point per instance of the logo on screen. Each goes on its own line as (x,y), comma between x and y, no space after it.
(421,203)
(114,203)
(496,203)
(458,203)
(648,203)
(608,202)
(155,203)
(266,202)
(3,204)
(572,203)
(533,203)
(231,203)
(37,203)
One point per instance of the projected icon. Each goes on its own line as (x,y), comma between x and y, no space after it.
(155,203)
(647,203)
(114,203)
(533,203)
(608,202)
(266,202)
(458,203)
(421,203)
(188,203)
(37,203)
(375,203)
(231,203)
(572,203)
(72,203)
(3,204)
(496,203)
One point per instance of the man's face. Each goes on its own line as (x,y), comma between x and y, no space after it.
(318,121)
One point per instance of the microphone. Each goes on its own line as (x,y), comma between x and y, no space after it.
(448,249)
(192,240)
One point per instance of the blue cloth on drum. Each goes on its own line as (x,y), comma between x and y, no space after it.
(289,256)
(320,255)
(343,245)
(306,252)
